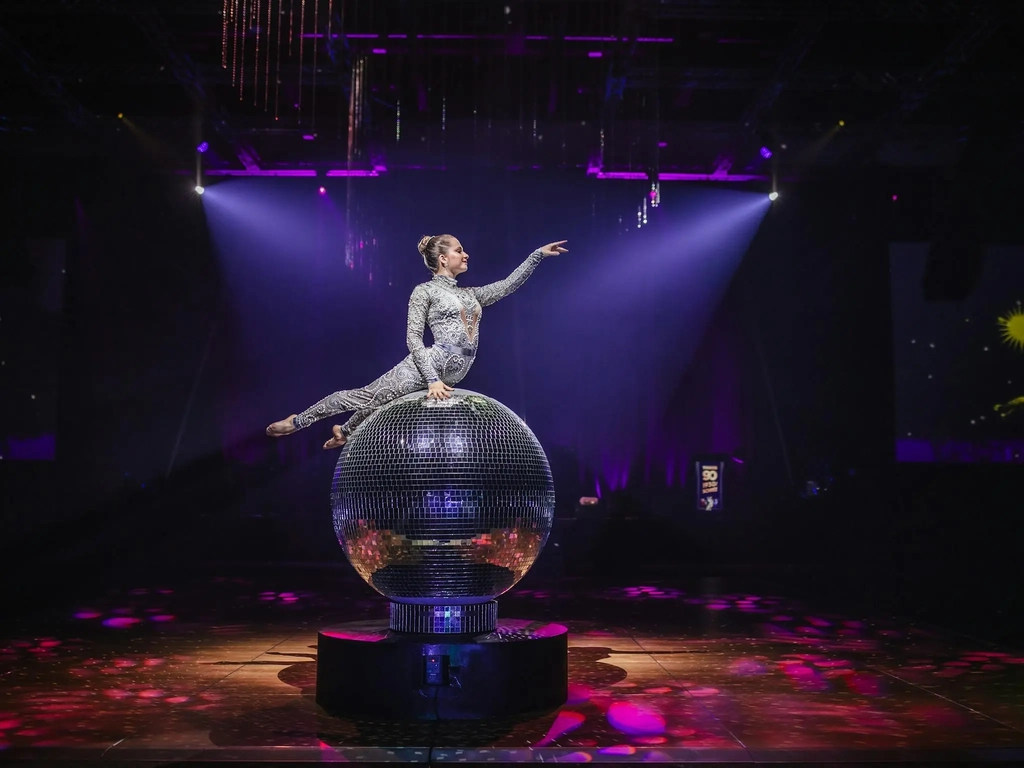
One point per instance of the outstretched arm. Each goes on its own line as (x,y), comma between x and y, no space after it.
(419,305)
(492,292)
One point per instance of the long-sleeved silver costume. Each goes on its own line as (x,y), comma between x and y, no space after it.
(453,315)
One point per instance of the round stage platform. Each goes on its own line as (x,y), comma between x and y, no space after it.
(365,670)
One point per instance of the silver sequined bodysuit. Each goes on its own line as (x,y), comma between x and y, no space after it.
(453,315)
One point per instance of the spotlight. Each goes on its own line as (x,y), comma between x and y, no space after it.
(120,115)
(842,123)
(200,189)
(773,196)
(323,191)
(766,153)
(202,147)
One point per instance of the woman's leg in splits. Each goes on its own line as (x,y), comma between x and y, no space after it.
(452,370)
(340,433)
(401,380)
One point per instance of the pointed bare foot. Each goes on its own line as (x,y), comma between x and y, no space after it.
(339,439)
(282,427)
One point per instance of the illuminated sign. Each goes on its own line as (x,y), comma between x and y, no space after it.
(709,485)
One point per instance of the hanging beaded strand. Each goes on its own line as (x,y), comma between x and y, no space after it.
(256,59)
(224,14)
(234,48)
(241,59)
(302,35)
(316,17)
(266,75)
(277,78)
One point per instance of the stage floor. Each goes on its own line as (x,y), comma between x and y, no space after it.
(219,668)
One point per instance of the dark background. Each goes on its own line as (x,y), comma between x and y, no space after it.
(173,356)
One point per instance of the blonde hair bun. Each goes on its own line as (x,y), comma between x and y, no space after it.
(422,247)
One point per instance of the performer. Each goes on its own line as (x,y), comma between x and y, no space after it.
(453,314)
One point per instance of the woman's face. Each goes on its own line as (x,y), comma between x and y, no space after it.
(455,258)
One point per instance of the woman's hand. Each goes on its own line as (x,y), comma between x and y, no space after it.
(555,248)
(438,390)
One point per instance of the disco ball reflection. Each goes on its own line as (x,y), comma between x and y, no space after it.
(442,506)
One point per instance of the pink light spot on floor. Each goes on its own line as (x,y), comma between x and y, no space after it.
(683,733)
(816,622)
(84,615)
(956,664)
(618,749)
(163,618)
(579,694)
(1014,660)
(151,694)
(176,699)
(992,667)
(865,684)
(703,693)
(950,673)
(121,622)
(152,662)
(8,725)
(831,663)
(49,643)
(854,624)
(117,693)
(123,663)
(650,741)
(833,673)
(782,618)
(661,689)
(717,606)
(565,721)
(635,719)
(577,757)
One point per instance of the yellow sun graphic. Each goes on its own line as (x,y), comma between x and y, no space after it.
(1012,325)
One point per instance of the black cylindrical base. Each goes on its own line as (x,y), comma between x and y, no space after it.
(365,670)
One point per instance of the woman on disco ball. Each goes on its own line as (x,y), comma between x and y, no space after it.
(453,314)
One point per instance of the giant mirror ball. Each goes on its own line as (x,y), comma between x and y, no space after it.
(442,506)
